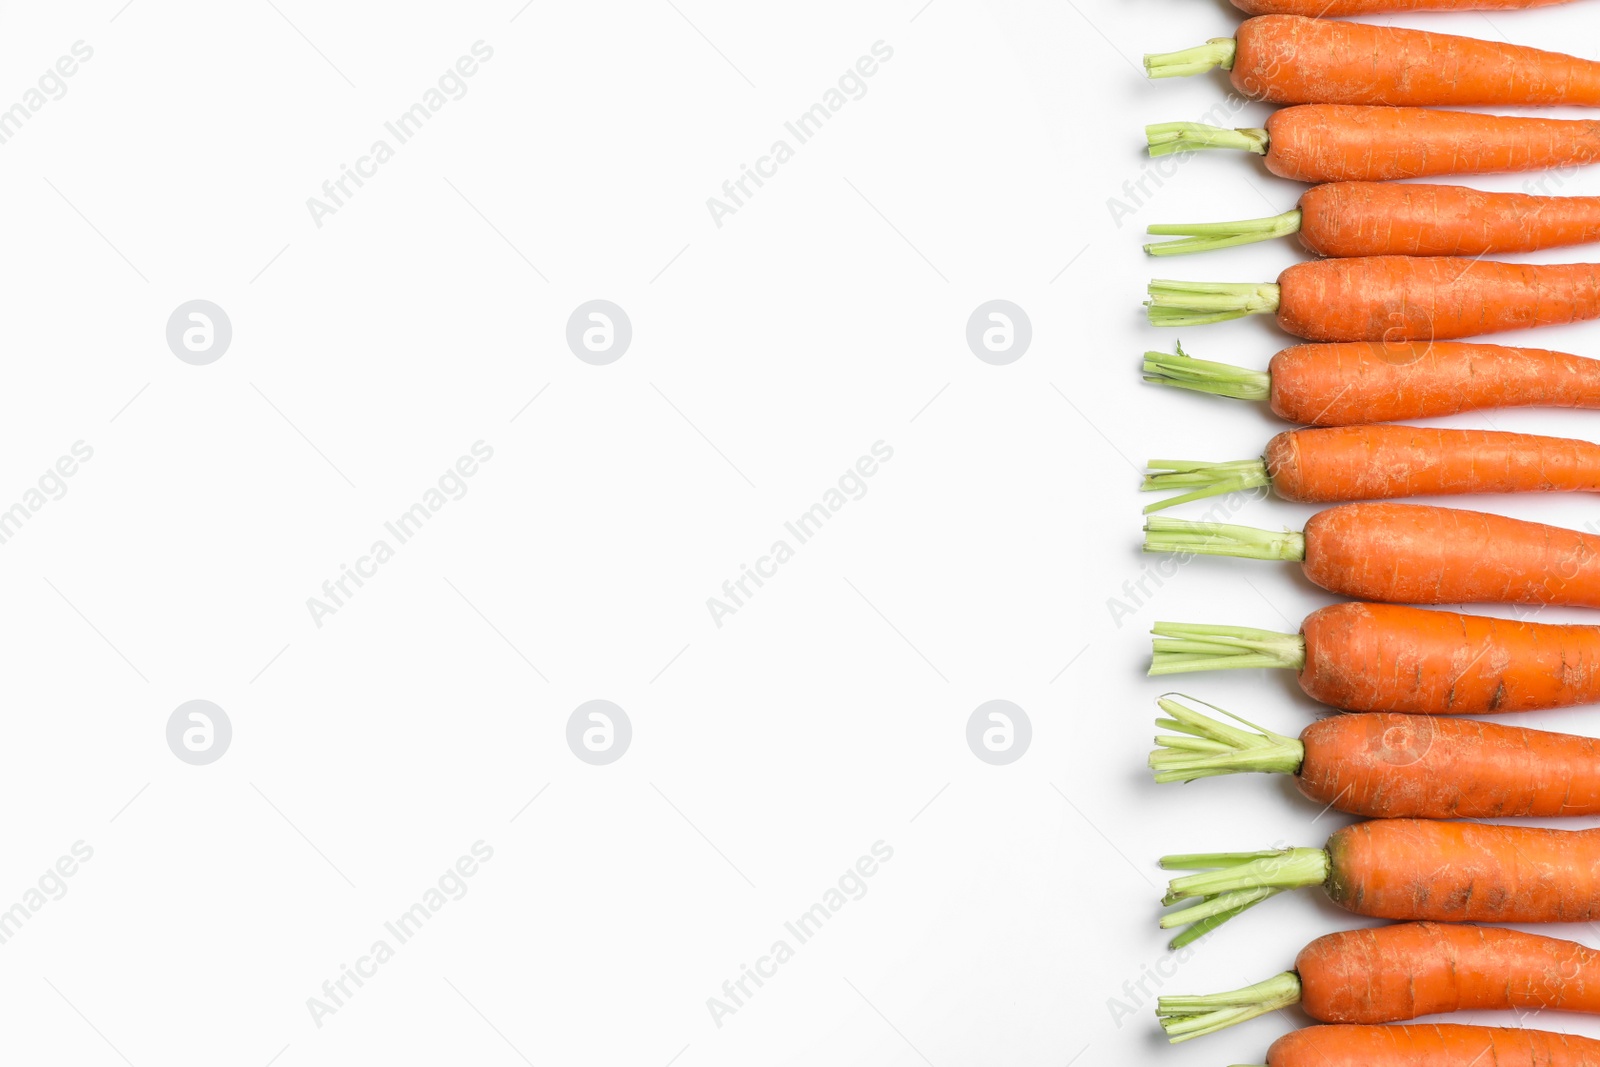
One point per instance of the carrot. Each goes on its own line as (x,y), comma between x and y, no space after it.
(1388,765)
(1403,869)
(1366,381)
(1391,973)
(1379,219)
(1383,657)
(1392,298)
(1351,143)
(1444,1045)
(1290,59)
(1333,464)
(1341,8)
(1412,554)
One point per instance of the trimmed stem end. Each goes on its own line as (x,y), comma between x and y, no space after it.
(1217,52)
(1186,1018)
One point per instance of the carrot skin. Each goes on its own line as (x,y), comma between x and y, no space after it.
(1385,657)
(1342,384)
(1465,872)
(1411,298)
(1346,219)
(1391,973)
(1390,765)
(1443,1045)
(1344,143)
(1336,464)
(1341,8)
(1290,59)
(1418,554)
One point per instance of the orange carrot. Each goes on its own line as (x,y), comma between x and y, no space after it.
(1404,869)
(1445,1045)
(1392,298)
(1341,8)
(1391,973)
(1290,59)
(1411,554)
(1335,464)
(1352,143)
(1383,219)
(1388,765)
(1345,384)
(1384,657)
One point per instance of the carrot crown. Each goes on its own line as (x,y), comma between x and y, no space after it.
(1221,539)
(1183,646)
(1168,138)
(1184,1018)
(1217,52)
(1232,882)
(1202,479)
(1204,747)
(1199,303)
(1206,236)
(1183,371)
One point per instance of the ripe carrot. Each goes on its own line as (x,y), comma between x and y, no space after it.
(1444,1045)
(1341,8)
(1366,381)
(1392,298)
(1384,657)
(1411,554)
(1334,464)
(1291,59)
(1403,869)
(1352,143)
(1382,219)
(1388,765)
(1391,973)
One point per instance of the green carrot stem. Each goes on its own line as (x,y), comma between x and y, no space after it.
(1208,236)
(1168,138)
(1183,371)
(1222,749)
(1176,303)
(1221,539)
(1202,479)
(1234,904)
(1185,1018)
(1181,647)
(1217,52)
(1280,869)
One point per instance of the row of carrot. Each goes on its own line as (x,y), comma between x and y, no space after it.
(1385,318)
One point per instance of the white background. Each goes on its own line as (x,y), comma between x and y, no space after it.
(768,354)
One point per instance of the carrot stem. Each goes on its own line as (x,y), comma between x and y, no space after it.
(1181,647)
(1174,303)
(1202,479)
(1183,371)
(1207,236)
(1221,539)
(1239,881)
(1217,52)
(1224,749)
(1184,1018)
(1169,138)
